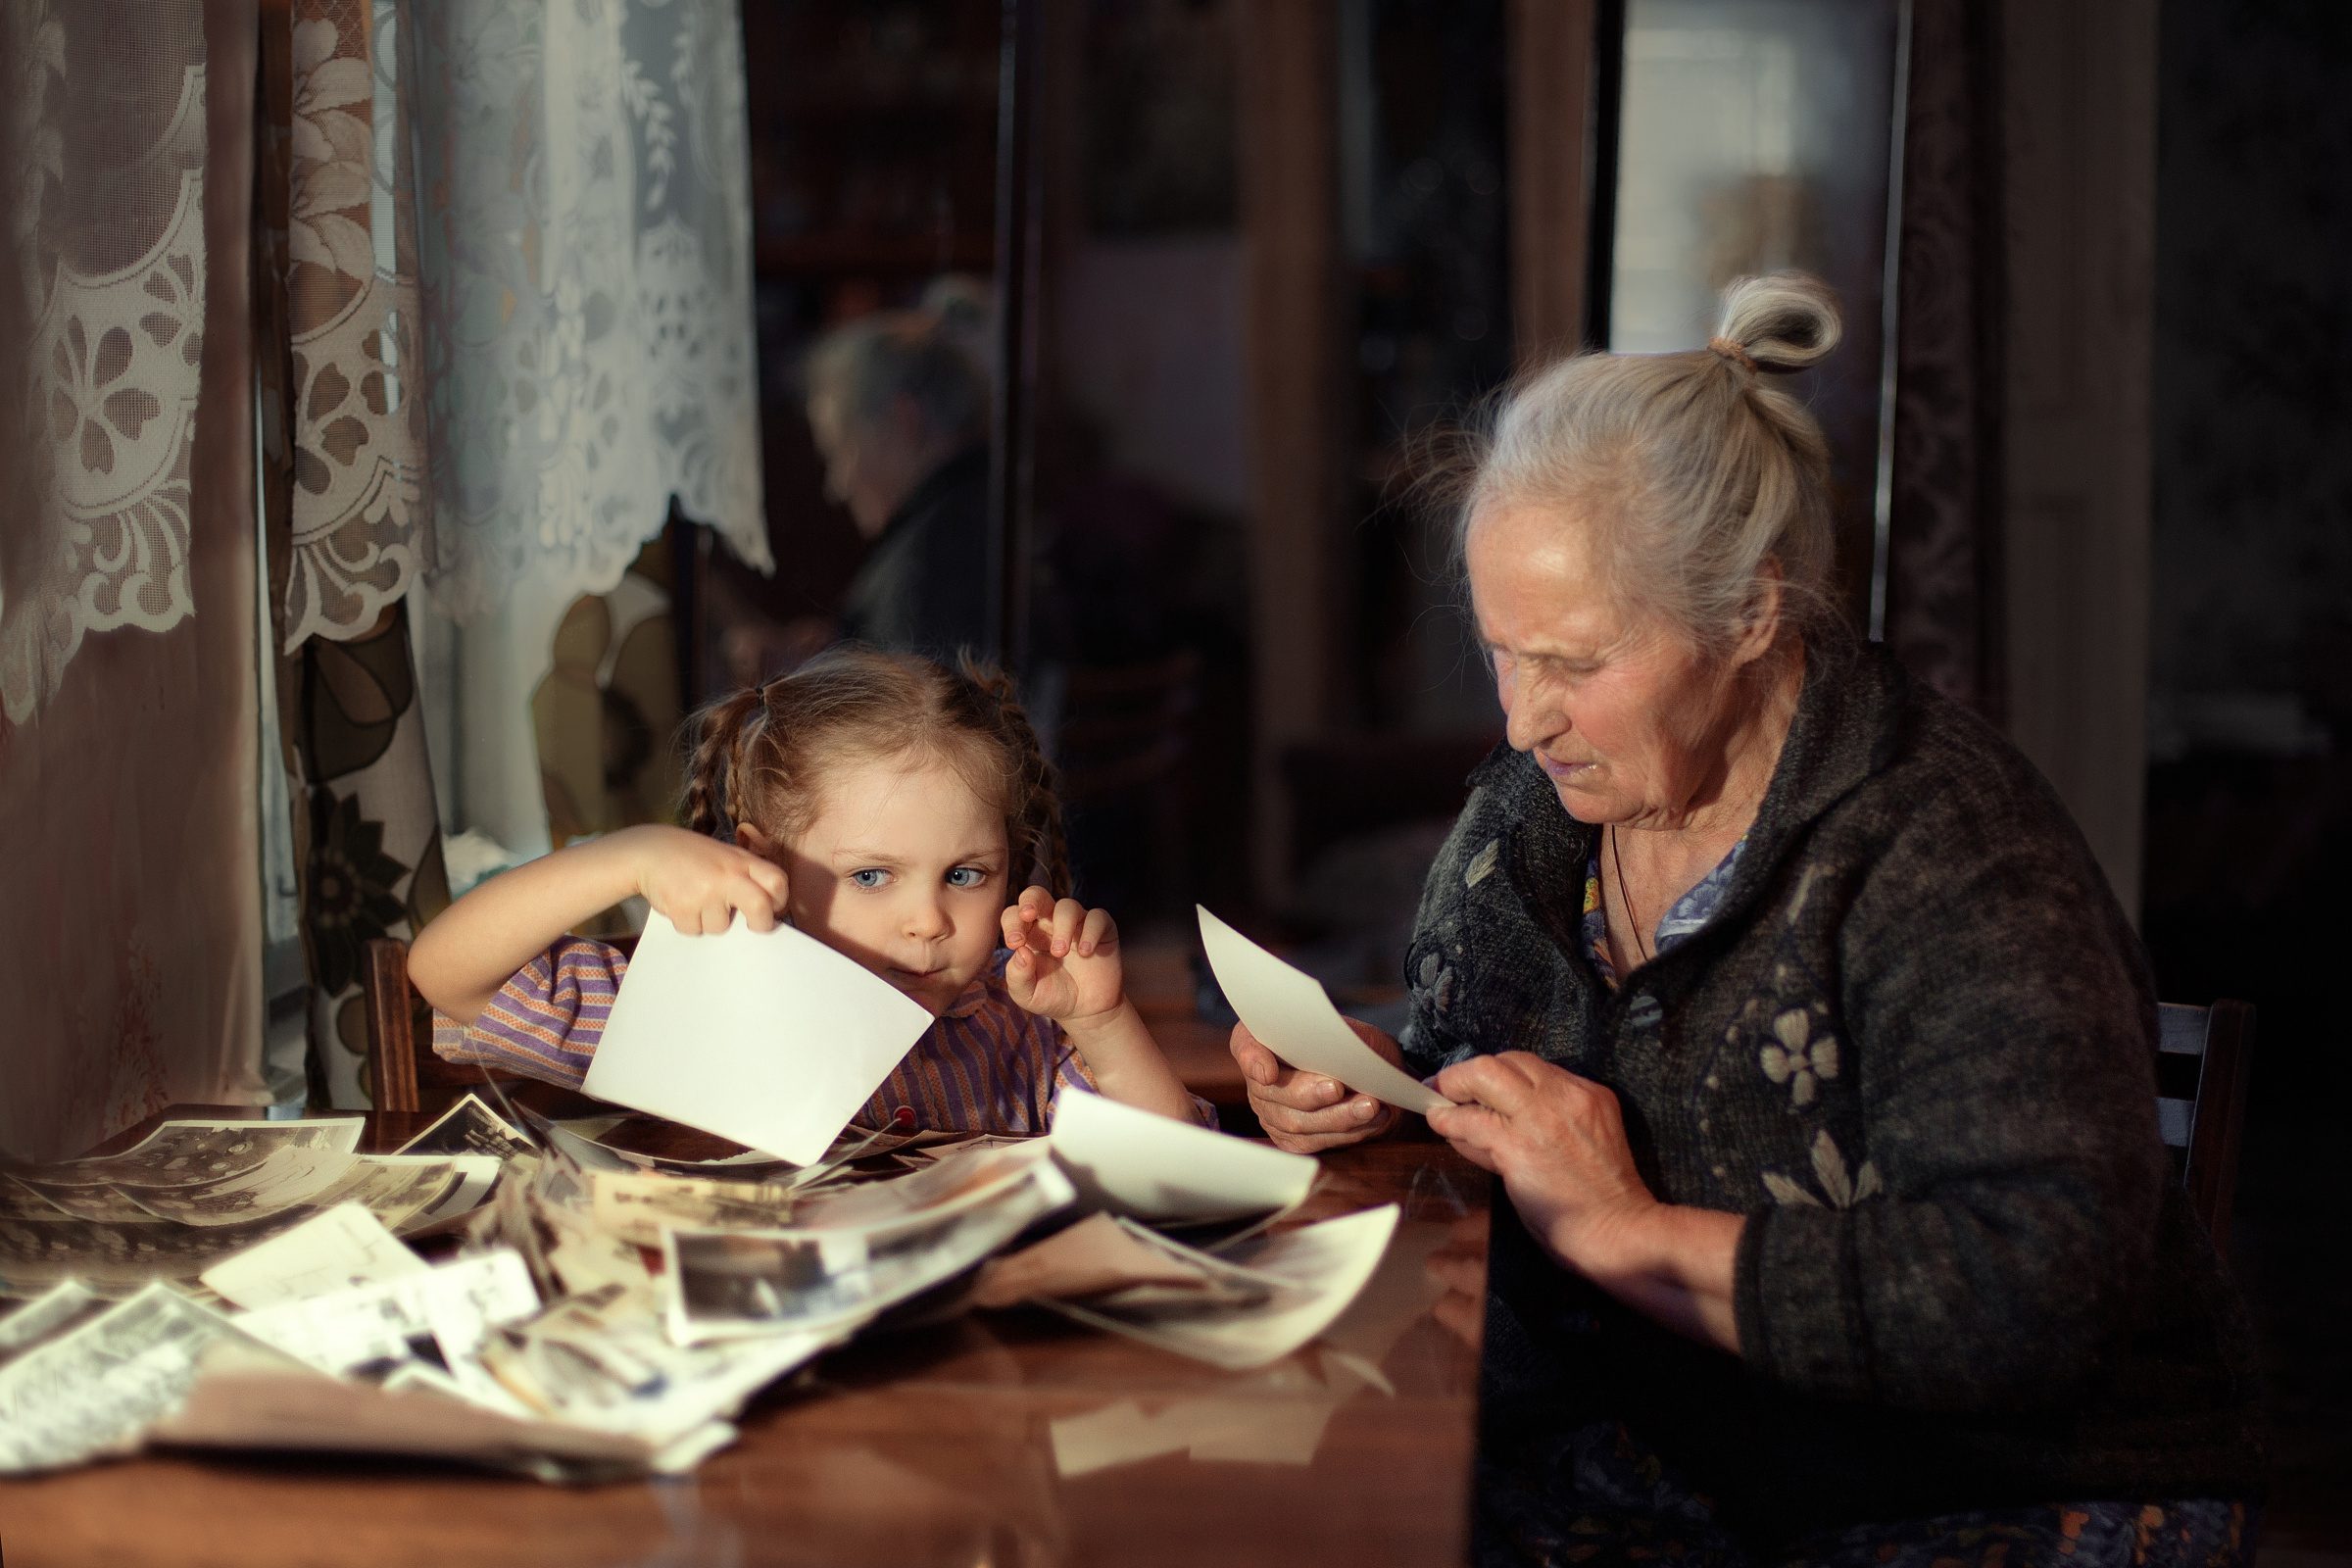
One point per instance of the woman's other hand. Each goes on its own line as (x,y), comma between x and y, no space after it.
(1558,1143)
(1306,1113)
(1065,961)
(698,882)
(1557,1139)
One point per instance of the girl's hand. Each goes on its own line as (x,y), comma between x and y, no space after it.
(699,882)
(1065,957)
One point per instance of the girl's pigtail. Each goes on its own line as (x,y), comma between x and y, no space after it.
(707,806)
(1034,811)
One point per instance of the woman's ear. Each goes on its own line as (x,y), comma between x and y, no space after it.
(1760,627)
(747,837)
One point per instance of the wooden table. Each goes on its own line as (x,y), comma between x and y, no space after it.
(936,1446)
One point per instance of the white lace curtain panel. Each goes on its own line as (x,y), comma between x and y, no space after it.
(586,250)
(516,247)
(555,319)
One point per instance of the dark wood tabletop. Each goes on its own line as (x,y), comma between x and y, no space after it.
(1002,1438)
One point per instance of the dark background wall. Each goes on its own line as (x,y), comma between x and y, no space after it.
(2249,823)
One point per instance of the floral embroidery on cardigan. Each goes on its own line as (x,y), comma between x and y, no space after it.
(1829,1170)
(1800,1058)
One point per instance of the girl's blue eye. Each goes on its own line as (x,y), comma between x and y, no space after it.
(871,878)
(967,877)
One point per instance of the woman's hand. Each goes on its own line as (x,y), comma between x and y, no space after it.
(1306,1113)
(1557,1139)
(1065,957)
(1558,1143)
(698,882)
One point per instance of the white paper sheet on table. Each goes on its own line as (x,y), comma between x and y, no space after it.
(344,1247)
(1290,1014)
(770,1038)
(457,1303)
(1329,1262)
(1131,1161)
(243,1401)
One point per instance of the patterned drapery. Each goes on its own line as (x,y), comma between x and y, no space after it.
(346,508)
(1943,562)
(129,928)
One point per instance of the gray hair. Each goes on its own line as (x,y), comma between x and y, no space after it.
(865,366)
(1695,471)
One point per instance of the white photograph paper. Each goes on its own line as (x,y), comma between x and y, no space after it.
(770,1038)
(1292,1015)
(1325,1265)
(339,1250)
(1131,1161)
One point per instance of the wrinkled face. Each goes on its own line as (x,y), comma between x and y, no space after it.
(903,869)
(1627,717)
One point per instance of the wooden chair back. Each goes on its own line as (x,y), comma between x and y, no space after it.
(2203,1056)
(402,1071)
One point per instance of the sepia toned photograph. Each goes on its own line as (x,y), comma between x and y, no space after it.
(198,1150)
(1268,783)
(471,1128)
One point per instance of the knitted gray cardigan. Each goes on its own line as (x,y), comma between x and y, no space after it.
(1915,1046)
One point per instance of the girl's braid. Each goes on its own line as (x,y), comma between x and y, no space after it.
(711,764)
(1032,806)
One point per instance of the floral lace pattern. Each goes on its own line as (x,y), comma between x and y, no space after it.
(587,289)
(117,344)
(345,250)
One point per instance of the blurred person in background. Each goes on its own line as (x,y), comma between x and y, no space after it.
(899,408)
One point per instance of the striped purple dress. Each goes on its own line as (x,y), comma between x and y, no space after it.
(985,1065)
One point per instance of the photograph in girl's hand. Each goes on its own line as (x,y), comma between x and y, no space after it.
(898,811)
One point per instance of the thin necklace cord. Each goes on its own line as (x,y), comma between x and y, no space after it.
(1625,896)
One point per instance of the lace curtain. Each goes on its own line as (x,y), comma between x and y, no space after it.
(588,300)
(586,251)
(483,268)
(108,223)
(128,938)
(510,246)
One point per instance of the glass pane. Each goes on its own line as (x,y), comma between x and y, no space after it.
(1422,165)
(1754,137)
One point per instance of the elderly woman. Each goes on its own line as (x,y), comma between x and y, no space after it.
(1811,1048)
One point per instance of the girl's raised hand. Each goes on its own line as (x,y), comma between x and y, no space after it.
(1065,957)
(699,882)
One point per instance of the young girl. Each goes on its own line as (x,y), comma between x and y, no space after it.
(885,806)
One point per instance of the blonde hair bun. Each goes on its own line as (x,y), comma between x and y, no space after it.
(1706,484)
(1782,321)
